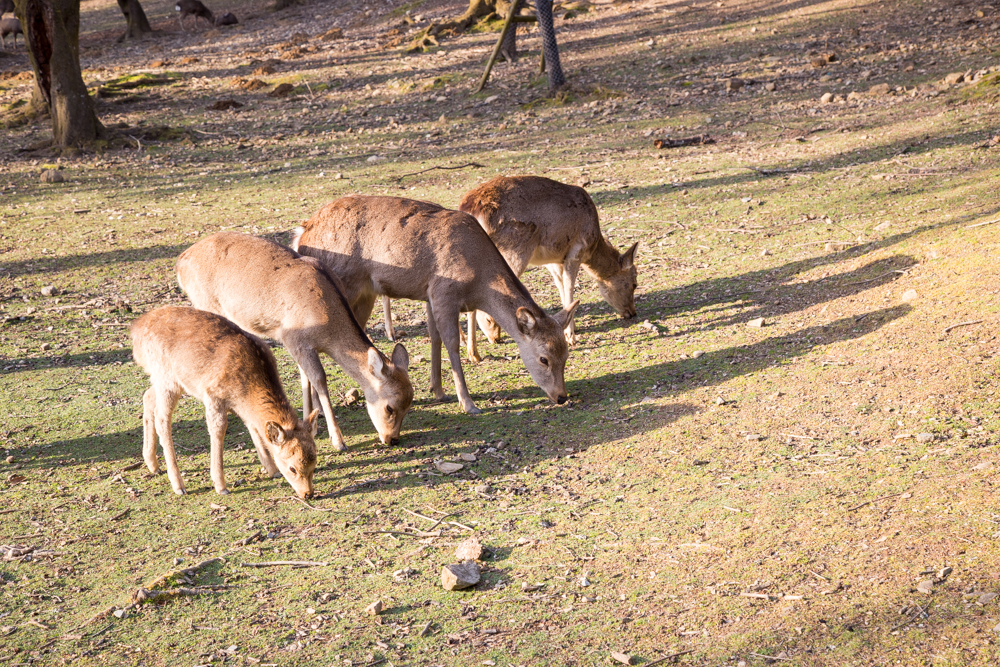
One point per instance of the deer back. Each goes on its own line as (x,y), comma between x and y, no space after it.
(399,247)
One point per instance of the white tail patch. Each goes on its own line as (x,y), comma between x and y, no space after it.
(296,236)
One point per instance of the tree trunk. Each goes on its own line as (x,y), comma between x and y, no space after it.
(135,17)
(550,50)
(52,33)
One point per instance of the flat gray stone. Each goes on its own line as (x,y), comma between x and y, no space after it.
(460,576)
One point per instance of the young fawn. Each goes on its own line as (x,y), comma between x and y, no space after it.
(408,249)
(188,351)
(272,291)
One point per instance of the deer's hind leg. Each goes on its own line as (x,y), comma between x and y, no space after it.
(149,431)
(217,418)
(166,401)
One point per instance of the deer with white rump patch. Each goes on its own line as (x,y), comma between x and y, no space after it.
(408,249)
(188,351)
(272,291)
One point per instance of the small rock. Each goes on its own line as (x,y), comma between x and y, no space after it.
(996,628)
(879,89)
(460,576)
(470,549)
(178,561)
(757,323)
(443,119)
(52,176)
(418,359)
(46,347)
(491,99)
(447,467)
(374,609)
(375,159)
(770,86)
(882,226)
(985,598)
(404,574)
(720,401)
(818,62)
(282,90)
(623,658)
(754,437)
(9,460)
(925,437)
(49,290)
(484,489)
(826,98)
(836,246)
(697,353)
(909,296)
(954,78)
(584,581)
(926,586)
(468,457)
(733,85)
(944,573)
(120,613)
(352,396)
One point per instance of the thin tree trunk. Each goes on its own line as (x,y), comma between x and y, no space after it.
(543,8)
(135,17)
(52,33)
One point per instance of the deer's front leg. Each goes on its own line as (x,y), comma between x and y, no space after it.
(432,330)
(216,416)
(448,328)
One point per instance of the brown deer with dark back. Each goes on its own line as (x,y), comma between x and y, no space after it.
(408,249)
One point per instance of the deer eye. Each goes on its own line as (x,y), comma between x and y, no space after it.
(545,361)
(292,470)
(389,411)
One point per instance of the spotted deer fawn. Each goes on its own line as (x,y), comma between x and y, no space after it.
(272,291)
(188,351)
(409,249)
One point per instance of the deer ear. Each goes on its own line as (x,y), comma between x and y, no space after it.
(628,257)
(564,317)
(274,433)
(525,321)
(313,421)
(400,357)
(375,363)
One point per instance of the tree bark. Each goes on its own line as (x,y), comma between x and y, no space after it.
(52,33)
(135,18)
(550,50)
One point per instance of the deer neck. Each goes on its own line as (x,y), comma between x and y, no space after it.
(350,350)
(262,405)
(506,295)
(603,261)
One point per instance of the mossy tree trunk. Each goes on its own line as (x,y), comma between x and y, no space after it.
(52,33)
(135,17)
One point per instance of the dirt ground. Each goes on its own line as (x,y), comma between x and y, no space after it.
(789,456)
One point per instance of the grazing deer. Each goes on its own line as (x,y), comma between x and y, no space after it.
(272,291)
(409,249)
(193,8)
(9,27)
(537,221)
(226,19)
(188,351)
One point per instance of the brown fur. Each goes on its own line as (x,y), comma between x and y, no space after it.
(188,351)
(193,8)
(537,221)
(408,249)
(272,291)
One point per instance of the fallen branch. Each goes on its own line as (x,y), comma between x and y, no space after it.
(187,572)
(769,657)
(289,563)
(697,140)
(461,166)
(961,324)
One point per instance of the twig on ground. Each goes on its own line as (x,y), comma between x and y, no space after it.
(289,563)
(878,277)
(461,166)
(961,324)
(769,657)
(669,657)
(121,515)
(983,224)
(316,509)
(462,526)
(874,500)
